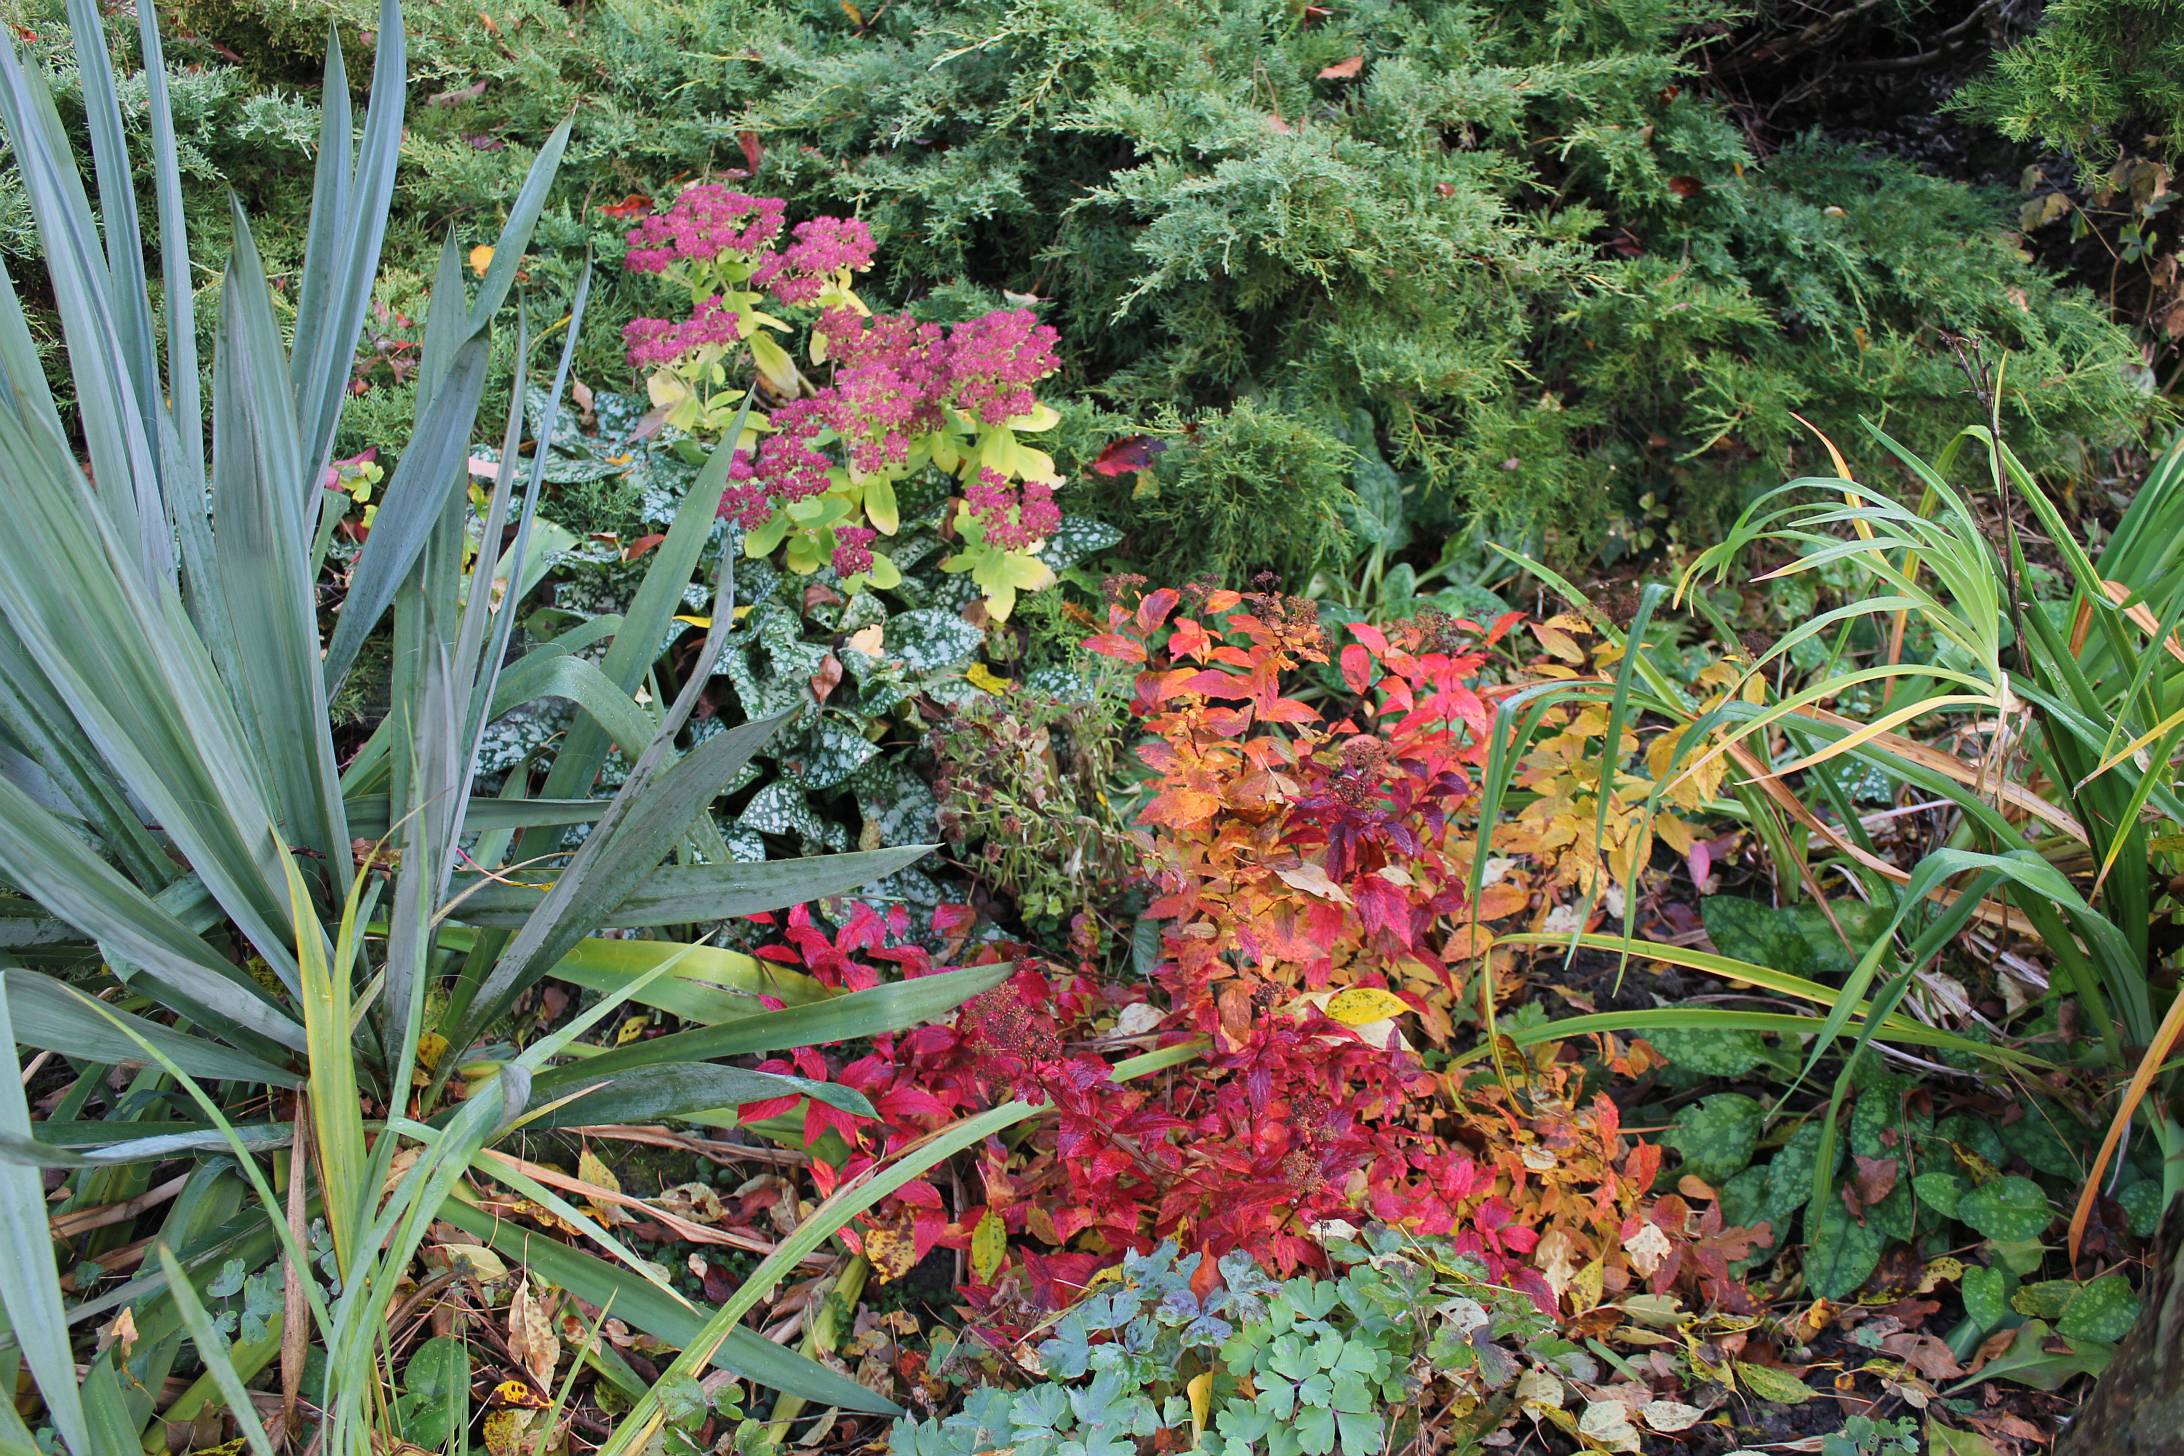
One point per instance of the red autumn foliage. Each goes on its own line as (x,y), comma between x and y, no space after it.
(1300,848)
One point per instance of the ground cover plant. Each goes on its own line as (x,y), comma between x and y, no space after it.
(885,776)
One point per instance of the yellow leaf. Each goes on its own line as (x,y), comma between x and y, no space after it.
(1036,466)
(516,1393)
(1588,1286)
(892,1251)
(985,679)
(505,1431)
(1201,1393)
(481,258)
(430,1048)
(871,641)
(1944,1270)
(989,1246)
(1771,1384)
(665,390)
(1363,1005)
(476,1260)
(631,1029)
(590,1169)
(122,1331)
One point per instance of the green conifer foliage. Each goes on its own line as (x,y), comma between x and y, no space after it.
(2088,69)
(1522,236)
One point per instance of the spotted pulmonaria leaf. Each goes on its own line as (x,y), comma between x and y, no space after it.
(1984,1298)
(2104,1310)
(1717,1134)
(989,1246)
(2009,1210)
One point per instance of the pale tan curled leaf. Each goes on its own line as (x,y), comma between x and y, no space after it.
(531,1337)
(1539,1386)
(1606,1423)
(1647,1249)
(1669,1416)
(1311,877)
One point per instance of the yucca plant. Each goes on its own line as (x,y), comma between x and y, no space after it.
(258,993)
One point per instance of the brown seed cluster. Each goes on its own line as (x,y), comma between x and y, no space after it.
(1001,1020)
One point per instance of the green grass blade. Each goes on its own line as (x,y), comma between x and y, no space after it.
(644,624)
(341,254)
(871,1012)
(261,548)
(47,1016)
(663,1092)
(336,1118)
(428,477)
(54,867)
(697,894)
(649,815)
(30,1288)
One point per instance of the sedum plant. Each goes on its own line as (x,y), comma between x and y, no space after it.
(262,994)
(900,396)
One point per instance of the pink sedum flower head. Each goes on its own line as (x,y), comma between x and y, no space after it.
(705,222)
(994,360)
(745,501)
(1012,517)
(875,411)
(918,353)
(853,549)
(788,467)
(653,341)
(823,249)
